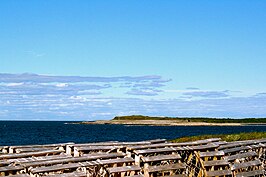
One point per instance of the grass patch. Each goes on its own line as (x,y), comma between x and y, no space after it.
(224,137)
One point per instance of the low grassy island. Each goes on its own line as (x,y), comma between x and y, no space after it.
(178,121)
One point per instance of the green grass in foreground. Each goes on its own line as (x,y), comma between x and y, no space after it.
(225,137)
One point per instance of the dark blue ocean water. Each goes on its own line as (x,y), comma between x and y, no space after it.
(42,132)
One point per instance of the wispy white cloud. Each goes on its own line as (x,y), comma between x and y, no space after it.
(39,97)
(208,94)
(144,92)
(198,93)
(34,54)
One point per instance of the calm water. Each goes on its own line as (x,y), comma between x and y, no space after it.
(34,132)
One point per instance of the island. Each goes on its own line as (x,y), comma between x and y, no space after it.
(178,121)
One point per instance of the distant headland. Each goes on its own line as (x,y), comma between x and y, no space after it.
(178,121)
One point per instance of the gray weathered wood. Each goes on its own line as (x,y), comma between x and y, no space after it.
(160,145)
(210,146)
(250,173)
(74,174)
(123,169)
(62,167)
(29,154)
(34,159)
(73,159)
(11,168)
(242,143)
(237,166)
(161,158)
(116,161)
(20,175)
(23,150)
(12,149)
(216,163)
(151,151)
(211,154)
(220,143)
(4,163)
(178,175)
(241,155)
(237,149)
(97,148)
(149,146)
(166,167)
(219,173)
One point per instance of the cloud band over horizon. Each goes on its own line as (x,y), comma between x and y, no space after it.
(45,97)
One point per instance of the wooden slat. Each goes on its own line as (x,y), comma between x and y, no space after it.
(20,175)
(61,167)
(230,145)
(4,163)
(237,166)
(241,143)
(241,155)
(116,161)
(237,149)
(150,146)
(211,154)
(73,159)
(23,150)
(74,174)
(55,168)
(216,163)
(97,148)
(204,147)
(166,167)
(161,158)
(250,173)
(206,141)
(29,154)
(32,159)
(11,168)
(157,141)
(220,143)
(263,140)
(39,158)
(123,169)
(198,142)
(161,145)
(219,173)
(151,151)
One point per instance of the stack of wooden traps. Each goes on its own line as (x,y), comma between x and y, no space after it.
(152,158)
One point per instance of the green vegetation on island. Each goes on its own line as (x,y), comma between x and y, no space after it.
(225,137)
(194,119)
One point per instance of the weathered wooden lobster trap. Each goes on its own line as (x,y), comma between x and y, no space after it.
(153,158)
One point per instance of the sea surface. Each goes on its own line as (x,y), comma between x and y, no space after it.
(49,132)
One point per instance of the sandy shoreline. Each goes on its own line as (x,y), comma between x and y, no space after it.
(160,123)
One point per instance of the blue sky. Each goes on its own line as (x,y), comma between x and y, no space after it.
(87,60)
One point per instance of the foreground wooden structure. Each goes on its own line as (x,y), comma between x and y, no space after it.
(203,158)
